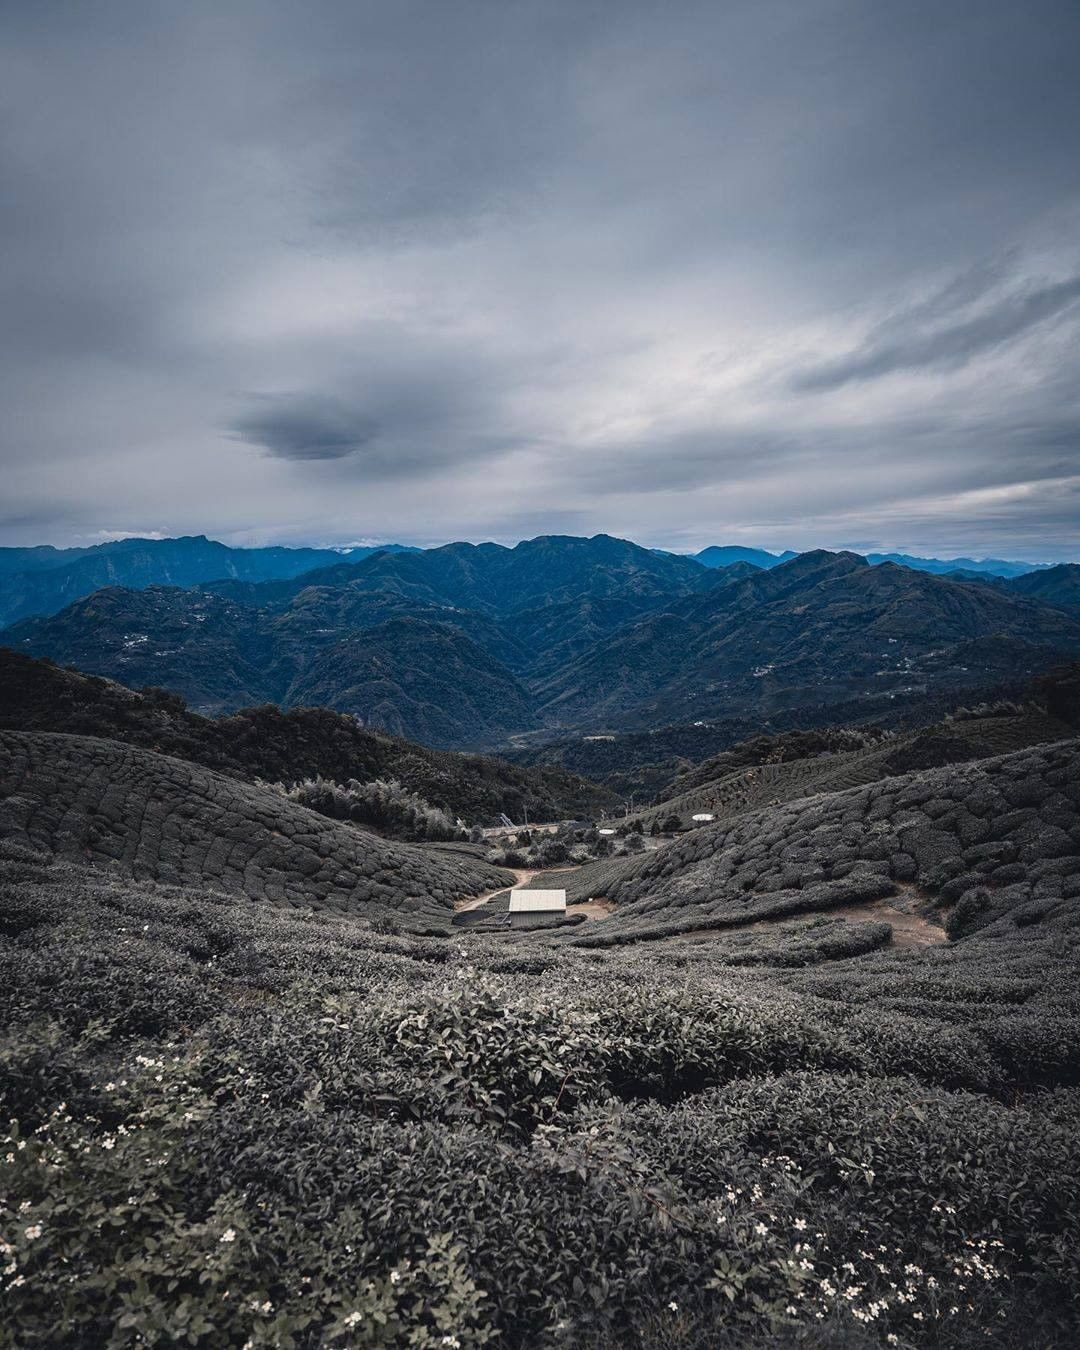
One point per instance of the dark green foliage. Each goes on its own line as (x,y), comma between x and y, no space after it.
(1060,690)
(382,806)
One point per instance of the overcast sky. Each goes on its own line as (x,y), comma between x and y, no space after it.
(782,272)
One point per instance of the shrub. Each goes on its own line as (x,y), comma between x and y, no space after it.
(384,806)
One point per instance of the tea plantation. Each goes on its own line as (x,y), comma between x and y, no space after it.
(242,1118)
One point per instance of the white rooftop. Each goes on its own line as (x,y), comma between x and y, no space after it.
(533,902)
(703,815)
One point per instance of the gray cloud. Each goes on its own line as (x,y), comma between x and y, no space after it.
(951,344)
(311,270)
(307,429)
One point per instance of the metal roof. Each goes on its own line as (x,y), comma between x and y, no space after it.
(522,901)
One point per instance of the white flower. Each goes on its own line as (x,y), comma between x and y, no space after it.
(229,1235)
(34,1231)
(760,1229)
(395,1277)
(353,1319)
(673,1306)
(799,1225)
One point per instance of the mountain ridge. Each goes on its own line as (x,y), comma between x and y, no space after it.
(471,645)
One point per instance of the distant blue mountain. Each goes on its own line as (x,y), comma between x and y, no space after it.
(995,567)
(42,579)
(723,555)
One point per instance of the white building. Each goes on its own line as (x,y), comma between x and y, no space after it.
(537,902)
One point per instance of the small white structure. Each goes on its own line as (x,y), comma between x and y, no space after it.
(703,816)
(537,902)
(605,831)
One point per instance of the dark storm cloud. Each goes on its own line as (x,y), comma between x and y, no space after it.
(950,345)
(311,271)
(307,428)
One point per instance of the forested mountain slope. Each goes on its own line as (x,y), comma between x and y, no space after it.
(287,746)
(44,580)
(823,628)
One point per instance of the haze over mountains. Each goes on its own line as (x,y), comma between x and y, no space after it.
(468,646)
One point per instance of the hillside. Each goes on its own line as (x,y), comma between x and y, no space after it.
(43,580)
(1058,586)
(276,746)
(993,836)
(427,680)
(821,629)
(848,1124)
(161,819)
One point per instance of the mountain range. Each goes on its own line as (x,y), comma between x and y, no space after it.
(471,646)
(41,580)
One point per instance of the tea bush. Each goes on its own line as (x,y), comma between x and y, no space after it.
(233,1124)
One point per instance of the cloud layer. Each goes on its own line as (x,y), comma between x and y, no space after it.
(785,273)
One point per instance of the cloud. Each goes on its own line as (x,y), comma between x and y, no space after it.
(307,428)
(482,270)
(950,344)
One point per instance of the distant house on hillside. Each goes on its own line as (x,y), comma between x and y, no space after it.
(703,817)
(536,909)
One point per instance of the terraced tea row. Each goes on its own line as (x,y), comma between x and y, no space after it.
(999,835)
(164,819)
(769,784)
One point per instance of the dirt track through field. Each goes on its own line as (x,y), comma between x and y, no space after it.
(909,930)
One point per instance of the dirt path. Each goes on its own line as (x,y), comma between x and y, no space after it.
(592,909)
(909,930)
